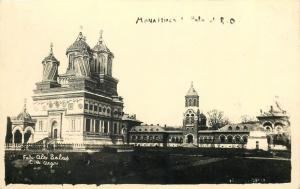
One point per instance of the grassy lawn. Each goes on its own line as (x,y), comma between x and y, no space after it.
(147,167)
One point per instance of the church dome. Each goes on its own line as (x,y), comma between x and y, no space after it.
(24,116)
(101,47)
(79,45)
(192,91)
(50,57)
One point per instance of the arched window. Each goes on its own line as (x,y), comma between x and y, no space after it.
(195,102)
(245,128)
(245,139)
(268,125)
(229,128)
(133,137)
(237,128)
(95,108)
(105,127)
(190,102)
(237,139)
(268,128)
(173,139)
(145,138)
(229,139)
(222,139)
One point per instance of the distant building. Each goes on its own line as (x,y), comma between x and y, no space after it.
(195,132)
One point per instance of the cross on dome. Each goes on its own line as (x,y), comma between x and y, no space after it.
(51,48)
(25,101)
(100,36)
(192,91)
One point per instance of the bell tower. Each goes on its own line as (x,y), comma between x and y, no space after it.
(191,117)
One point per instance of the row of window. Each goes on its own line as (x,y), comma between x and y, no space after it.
(235,139)
(105,128)
(146,130)
(237,128)
(176,139)
(100,109)
(223,139)
(145,138)
(191,102)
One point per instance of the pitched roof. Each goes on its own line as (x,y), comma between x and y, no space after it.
(242,127)
(147,128)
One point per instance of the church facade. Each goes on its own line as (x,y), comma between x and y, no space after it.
(80,106)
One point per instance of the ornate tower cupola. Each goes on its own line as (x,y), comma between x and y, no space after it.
(80,57)
(23,127)
(102,58)
(192,98)
(50,67)
(50,72)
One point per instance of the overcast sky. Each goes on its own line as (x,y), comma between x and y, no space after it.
(237,68)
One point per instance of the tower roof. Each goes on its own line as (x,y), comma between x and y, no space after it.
(24,115)
(51,56)
(79,45)
(192,91)
(276,110)
(100,46)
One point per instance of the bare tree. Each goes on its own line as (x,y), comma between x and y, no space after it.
(216,119)
(247,119)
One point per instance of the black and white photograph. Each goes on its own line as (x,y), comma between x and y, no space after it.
(174,93)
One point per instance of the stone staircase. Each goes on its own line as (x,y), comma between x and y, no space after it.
(189,145)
